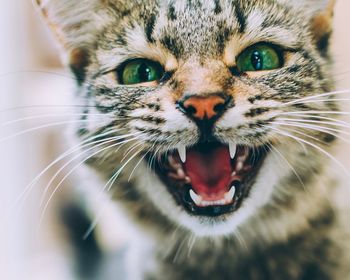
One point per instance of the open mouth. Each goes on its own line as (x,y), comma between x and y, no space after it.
(210,179)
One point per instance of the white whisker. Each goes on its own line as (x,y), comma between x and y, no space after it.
(322,100)
(112,139)
(304,134)
(143,157)
(345,125)
(116,175)
(26,131)
(315,147)
(319,117)
(109,115)
(72,150)
(68,174)
(316,113)
(289,165)
(319,129)
(316,96)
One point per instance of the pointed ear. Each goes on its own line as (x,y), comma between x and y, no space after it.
(75,24)
(320,13)
(321,25)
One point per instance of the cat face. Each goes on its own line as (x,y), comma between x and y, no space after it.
(198,98)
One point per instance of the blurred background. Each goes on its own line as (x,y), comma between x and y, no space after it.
(35,104)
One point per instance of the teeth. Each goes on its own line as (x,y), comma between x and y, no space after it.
(233,150)
(230,195)
(182,153)
(196,198)
(199,201)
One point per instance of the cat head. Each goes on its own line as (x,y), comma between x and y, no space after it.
(200,97)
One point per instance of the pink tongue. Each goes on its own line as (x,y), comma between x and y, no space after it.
(210,171)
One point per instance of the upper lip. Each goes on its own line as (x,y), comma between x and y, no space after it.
(182,149)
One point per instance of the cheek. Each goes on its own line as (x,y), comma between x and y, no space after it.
(174,119)
(234,117)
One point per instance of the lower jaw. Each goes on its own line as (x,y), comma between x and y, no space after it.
(181,190)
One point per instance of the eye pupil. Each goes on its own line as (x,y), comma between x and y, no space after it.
(144,72)
(257,60)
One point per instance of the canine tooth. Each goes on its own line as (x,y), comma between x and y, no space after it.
(230,194)
(196,198)
(233,150)
(182,153)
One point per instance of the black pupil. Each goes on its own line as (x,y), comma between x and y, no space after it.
(257,60)
(144,72)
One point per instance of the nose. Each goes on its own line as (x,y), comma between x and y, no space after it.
(204,107)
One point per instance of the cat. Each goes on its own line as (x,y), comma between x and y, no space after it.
(219,131)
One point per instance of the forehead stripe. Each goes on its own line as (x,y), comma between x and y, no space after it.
(242,21)
(150,23)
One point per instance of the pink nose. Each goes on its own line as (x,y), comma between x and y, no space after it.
(201,108)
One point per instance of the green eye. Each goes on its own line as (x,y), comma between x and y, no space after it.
(258,58)
(140,71)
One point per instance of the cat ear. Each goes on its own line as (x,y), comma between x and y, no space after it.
(75,24)
(321,23)
(320,13)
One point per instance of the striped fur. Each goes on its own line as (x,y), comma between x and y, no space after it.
(287,228)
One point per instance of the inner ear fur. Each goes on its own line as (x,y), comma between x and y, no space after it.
(78,62)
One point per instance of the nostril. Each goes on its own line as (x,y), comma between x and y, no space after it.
(186,108)
(219,108)
(191,110)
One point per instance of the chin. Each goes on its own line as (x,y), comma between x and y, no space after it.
(213,189)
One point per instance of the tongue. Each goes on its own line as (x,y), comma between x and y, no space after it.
(209,168)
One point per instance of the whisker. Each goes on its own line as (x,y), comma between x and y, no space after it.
(317,96)
(318,117)
(113,139)
(289,164)
(83,144)
(321,129)
(58,74)
(114,177)
(59,115)
(315,147)
(282,123)
(26,131)
(62,75)
(347,125)
(143,157)
(306,135)
(320,100)
(47,106)
(190,243)
(67,175)
(130,150)
(316,112)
